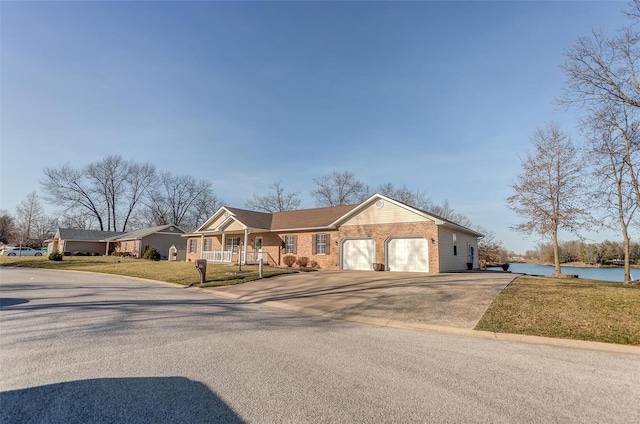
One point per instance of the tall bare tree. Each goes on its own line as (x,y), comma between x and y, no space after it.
(549,189)
(201,209)
(338,188)
(610,130)
(120,184)
(108,190)
(602,69)
(602,74)
(172,199)
(28,212)
(69,189)
(276,201)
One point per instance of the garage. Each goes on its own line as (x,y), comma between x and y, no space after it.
(408,254)
(358,254)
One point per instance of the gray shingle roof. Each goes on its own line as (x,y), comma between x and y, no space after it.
(138,234)
(86,235)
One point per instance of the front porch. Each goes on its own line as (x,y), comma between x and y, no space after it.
(229,256)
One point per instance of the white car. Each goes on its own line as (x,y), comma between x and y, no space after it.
(21,251)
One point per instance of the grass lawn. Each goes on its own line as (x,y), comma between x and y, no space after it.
(171,272)
(567,308)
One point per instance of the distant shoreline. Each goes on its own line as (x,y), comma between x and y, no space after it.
(573,264)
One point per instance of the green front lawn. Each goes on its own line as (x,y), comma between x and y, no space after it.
(567,308)
(171,272)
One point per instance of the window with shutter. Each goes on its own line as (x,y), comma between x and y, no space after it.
(321,244)
(289,245)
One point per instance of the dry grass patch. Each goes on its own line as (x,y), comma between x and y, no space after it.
(566,308)
(172,272)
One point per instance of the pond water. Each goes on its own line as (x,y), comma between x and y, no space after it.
(591,273)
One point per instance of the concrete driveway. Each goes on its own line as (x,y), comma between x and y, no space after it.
(451,300)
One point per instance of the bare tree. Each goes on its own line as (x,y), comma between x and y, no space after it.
(171,201)
(548,191)
(201,209)
(601,74)
(121,184)
(490,250)
(44,228)
(611,128)
(107,191)
(277,201)
(28,212)
(338,188)
(69,189)
(140,179)
(602,69)
(444,210)
(106,179)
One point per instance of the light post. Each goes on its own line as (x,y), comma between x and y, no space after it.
(240,256)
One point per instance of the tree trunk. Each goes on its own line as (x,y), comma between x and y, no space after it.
(556,252)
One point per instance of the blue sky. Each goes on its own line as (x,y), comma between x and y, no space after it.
(439,96)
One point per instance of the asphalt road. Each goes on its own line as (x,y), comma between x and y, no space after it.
(80,348)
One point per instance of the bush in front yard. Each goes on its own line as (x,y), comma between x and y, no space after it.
(302,261)
(55,256)
(289,260)
(151,254)
(314,264)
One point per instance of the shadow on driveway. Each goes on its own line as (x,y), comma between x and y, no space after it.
(117,400)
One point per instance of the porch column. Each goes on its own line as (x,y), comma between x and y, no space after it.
(223,242)
(246,239)
(202,246)
(107,252)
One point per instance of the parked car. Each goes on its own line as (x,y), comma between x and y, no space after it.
(21,251)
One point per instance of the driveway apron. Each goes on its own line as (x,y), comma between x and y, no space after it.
(452,300)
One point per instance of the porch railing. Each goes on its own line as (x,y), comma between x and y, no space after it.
(217,256)
(227,256)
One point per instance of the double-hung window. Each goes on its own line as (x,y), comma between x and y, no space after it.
(320,244)
(232,244)
(192,245)
(207,244)
(290,245)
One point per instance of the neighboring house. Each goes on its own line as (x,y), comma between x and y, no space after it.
(165,238)
(72,240)
(378,230)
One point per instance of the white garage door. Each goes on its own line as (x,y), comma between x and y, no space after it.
(358,254)
(408,255)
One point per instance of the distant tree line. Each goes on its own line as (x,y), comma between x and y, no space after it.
(604,253)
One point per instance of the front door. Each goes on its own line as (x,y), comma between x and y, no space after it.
(258,248)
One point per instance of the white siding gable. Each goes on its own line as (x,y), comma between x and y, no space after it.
(212,225)
(387,214)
